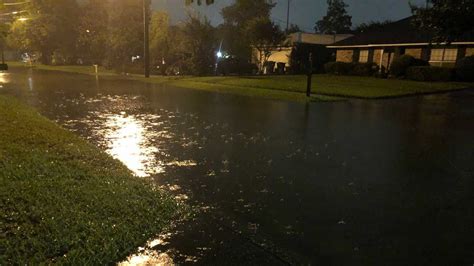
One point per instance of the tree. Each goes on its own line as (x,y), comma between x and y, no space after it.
(264,36)
(92,31)
(199,46)
(50,29)
(293,29)
(336,20)
(236,19)
(447,20)
(372,25)
(159,38)
(125,33)
(242,11)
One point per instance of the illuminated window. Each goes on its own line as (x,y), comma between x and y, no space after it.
(364,56)
(450,55)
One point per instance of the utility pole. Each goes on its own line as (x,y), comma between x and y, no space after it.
(288,17)
(146,37)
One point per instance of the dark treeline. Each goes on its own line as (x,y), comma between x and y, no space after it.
(110,33)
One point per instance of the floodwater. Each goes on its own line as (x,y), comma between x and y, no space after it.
(386,182)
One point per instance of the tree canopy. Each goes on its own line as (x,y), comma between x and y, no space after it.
(264,35)
(50,27)
(242,11)
(237,18)
(445,19)
(372,25)
(336,19)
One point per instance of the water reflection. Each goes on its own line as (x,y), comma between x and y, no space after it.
(156,252)
(127,140)
(307,179)
(30,83)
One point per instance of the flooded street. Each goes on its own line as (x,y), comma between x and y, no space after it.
(384,182)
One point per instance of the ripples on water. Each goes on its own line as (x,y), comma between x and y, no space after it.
(139,140)
(274,173)
(151,142)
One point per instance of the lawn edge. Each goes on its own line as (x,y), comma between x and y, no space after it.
(180,213)
(272,94)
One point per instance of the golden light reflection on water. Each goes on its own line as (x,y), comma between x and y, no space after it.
(135,141)
(127,141)
(148,256)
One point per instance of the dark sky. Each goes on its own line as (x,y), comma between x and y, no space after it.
(304,12)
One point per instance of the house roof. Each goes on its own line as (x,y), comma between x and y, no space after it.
(399,32)
(314,38)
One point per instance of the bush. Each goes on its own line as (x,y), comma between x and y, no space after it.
(355,69)
(465,69)
(364,69)
(430,73)
(235,66)
(401,64)
(338,68)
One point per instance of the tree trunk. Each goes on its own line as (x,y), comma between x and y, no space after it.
(45,58)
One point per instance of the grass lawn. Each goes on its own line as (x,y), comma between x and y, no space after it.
(290,87)
(62,200)
(342,86)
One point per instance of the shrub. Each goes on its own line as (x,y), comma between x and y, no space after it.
(401,64)
(465,69)
(430,73)
(338,68)
(355,69)
(364,69)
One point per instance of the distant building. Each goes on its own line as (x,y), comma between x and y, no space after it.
(382,45)
(295,52)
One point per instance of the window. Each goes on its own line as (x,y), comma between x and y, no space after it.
(450,55)
(364,56)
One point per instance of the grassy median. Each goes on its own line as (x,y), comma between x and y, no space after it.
(288,87)
(62,200)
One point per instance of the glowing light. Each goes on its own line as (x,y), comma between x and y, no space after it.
(127,142)
(219,54)
(4,78)
(23,19)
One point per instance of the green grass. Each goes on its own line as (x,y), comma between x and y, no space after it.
(342,86)
(64,201)
(291,87)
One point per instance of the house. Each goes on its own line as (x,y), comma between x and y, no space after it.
(382,45)
(295,52)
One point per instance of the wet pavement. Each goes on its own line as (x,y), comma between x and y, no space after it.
(386,182)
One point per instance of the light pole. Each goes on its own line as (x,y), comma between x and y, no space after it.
(146,37)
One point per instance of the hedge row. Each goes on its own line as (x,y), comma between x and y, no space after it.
(408,67)
(401,64)
(430,73)
(354,69)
